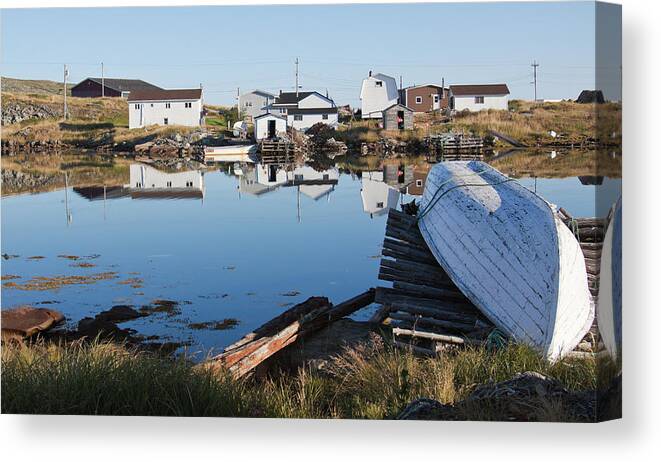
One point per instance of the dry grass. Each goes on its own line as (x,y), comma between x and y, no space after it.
(531,123)
(527,122)
(372,381)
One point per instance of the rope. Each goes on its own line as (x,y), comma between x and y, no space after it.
(573,226)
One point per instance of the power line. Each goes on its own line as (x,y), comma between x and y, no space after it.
(535,65)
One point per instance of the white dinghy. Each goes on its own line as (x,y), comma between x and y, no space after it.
(609,306)
(509,253)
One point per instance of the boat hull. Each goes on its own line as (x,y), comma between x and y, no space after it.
(609,306)
(509,253)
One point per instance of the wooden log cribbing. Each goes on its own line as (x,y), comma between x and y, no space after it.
(245,355)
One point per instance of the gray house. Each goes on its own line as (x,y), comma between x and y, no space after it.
(253,104)
(398,117)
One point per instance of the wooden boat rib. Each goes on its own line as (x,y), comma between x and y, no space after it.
(509,253)
(609,306)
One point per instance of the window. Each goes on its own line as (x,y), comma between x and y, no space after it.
(137,106)
(189,184)
(418,100)
(137,185)
(167,105)
(479,100)
(298,177)
(282,110)
(169,184)
(298,117)
(379,83)
(165,121)
(151,105)
(325,177)
(188,104)
(418,183)
(436,98)
(379,205)
(324,116)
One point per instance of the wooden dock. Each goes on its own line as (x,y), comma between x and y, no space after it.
(427,311)
(449,147)
(276,151)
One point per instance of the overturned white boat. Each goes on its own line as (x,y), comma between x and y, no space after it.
(509,253)
(609,306)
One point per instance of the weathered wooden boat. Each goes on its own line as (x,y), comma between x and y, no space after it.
(609,306)
(234,153)
(509,253)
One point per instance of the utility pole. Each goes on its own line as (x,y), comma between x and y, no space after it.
(296,77)
(103,82)
(535,65)
(66,74)
(238,102)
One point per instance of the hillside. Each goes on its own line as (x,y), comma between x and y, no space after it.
(36,87)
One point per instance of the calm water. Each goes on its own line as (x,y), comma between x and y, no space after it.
(241,243)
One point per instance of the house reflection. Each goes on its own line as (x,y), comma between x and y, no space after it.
(262,178)
(378,197)
(146,182)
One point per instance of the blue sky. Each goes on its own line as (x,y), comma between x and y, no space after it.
(226,47)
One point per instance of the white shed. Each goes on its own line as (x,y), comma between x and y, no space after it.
(269,125)
(479,97)
(165,107)
(378,92)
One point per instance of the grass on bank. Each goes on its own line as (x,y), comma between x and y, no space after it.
(371,381)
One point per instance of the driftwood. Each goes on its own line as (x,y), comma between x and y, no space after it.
(242,357)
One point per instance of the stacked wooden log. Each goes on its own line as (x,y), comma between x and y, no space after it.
(426,307)
(423,305)
(245,355)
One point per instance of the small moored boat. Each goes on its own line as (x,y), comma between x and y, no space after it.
(233,153)
(609,306)
(509,253)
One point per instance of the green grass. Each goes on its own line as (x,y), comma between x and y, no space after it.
(373,381)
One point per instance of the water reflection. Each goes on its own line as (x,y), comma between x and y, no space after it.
(146,182)
(310,229)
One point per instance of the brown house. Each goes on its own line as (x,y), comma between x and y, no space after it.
(425,98)
(92,87)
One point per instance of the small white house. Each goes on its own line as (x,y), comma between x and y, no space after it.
(479,97)
(165,107)
(378,92)
(269,125)
(303,109)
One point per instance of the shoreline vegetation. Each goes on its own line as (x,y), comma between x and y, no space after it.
(32,118)
(372,380)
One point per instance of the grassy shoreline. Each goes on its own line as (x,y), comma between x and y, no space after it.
(371,381)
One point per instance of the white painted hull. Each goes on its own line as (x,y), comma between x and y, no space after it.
(241,153)
(609,306)
(509,253)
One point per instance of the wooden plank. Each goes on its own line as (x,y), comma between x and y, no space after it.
(430,336)
(420,320)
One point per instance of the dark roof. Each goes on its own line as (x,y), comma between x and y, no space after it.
(123,84)
(425,85)
(290,97)
(316,110)
(489,89)
(273,114)
(160,95)
(398,104)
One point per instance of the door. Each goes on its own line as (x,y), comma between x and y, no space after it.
(437,102)
(165,121)
(271,129)
(400,120)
